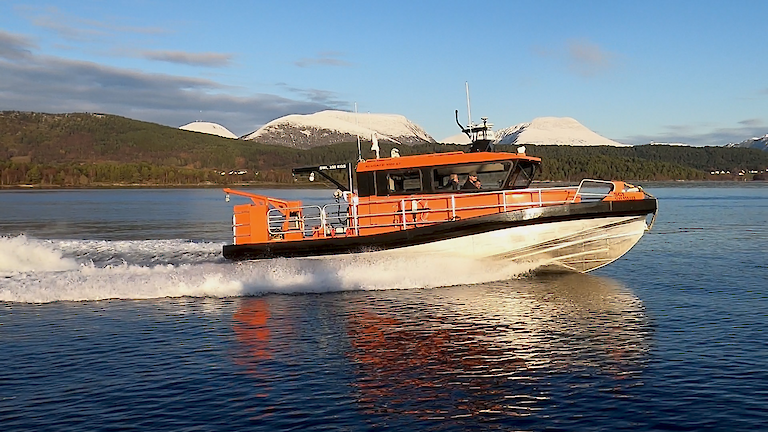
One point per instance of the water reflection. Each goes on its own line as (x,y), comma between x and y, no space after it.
(496,349)
(249,324)
(483,352)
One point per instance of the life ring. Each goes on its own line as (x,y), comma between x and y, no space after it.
(420,211)
(417,210)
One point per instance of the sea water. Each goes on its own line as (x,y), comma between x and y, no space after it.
(117,311)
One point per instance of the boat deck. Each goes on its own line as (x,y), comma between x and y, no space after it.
(268,219)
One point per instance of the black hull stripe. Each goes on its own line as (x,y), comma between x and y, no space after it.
(440,231)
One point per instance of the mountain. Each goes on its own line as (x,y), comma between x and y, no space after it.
(208,128)
(331,127)
(90,149)
(90,138)
(545,131)
(760,143)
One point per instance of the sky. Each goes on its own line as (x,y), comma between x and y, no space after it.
(694,71)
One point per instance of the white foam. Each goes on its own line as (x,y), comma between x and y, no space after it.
(20,254)
(128,280)
(142,252)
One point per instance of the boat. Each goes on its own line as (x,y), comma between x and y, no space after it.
(477,204)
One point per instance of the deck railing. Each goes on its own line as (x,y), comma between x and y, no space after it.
(343,219)
(593,190)
(331,218)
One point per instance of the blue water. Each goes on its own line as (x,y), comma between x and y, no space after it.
(118,312)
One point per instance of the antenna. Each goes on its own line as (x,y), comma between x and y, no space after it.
(359,152)
(482,140)
(469,110)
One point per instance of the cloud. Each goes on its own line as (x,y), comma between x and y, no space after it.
(57,85)
(542,51)
(693,135)
(751,122)
(192,59)
(324,97)
(588,59)
(74,28)
(330,58)
(15,47)
(66,31)
(581,57)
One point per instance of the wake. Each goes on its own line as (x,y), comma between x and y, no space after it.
(42,271)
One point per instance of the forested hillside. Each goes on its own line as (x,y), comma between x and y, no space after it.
(94,149)
(647,162)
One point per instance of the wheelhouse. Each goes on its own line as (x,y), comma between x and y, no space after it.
(431,174)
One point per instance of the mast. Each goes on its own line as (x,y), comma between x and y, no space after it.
(359,152)
(482,136)
(469,109)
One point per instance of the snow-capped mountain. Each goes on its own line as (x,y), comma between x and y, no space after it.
(760,143)
(671,144)
(330,127)
(208,128)
(545,131)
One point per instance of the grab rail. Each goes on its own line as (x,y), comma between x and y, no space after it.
(307,218)
(593,196)
(344,219)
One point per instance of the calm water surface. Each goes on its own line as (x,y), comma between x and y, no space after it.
(118,312)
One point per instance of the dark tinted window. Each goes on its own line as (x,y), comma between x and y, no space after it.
(490,175)
(366,186)
(400,182)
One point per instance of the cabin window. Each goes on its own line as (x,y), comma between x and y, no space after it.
(404,182)
(491,175)
(366,184)
(523,174)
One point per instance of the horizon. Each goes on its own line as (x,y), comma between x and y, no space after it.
(680,72)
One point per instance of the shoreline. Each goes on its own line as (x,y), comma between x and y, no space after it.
(267,185)
(162,186)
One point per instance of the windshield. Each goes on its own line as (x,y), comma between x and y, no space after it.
(522,176)
(486,176)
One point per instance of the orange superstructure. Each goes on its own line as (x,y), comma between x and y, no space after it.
(432,159)
(269,219)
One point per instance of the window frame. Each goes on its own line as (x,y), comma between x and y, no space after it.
(404,173)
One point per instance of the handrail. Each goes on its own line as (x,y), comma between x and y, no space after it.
(343,218)
(317,217)
(256,199)
(399,198)
(579,193)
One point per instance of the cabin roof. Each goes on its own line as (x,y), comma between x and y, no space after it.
(437,159)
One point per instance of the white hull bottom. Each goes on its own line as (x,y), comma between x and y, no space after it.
(577,245)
